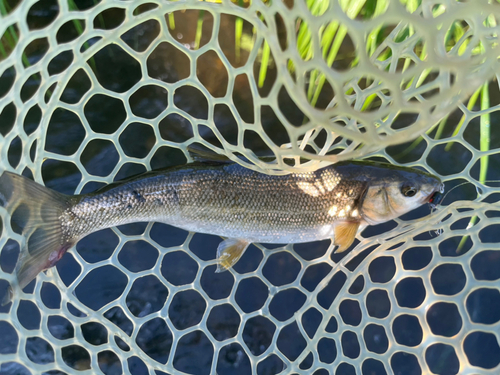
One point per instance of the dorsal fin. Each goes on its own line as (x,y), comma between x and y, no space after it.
(206,155)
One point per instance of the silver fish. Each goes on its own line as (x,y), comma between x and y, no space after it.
(218,198)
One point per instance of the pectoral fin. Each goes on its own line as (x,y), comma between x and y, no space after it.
(229,252)
(345,233)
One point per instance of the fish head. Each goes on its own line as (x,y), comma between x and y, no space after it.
(397,191)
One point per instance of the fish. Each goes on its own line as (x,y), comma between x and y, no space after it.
(219,198)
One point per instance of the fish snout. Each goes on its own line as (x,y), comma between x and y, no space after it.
(441,188)
(436,196)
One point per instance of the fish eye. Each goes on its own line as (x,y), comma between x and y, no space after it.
(409,191)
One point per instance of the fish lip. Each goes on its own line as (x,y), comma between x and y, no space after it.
(441,188)
(435,198)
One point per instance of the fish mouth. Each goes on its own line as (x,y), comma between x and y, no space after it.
(436,196)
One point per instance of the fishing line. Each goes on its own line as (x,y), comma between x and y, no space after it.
(435,206)
(478,189)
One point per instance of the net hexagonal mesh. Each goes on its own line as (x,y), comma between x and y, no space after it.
(91,93)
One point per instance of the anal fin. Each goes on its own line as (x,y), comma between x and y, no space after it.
(345,233)
(229,252)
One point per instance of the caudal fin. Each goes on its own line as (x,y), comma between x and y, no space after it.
(36,210)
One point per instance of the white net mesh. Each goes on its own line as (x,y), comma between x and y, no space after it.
(94,92)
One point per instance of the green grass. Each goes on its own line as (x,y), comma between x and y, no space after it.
(11,37)
(484,145)
(199,29)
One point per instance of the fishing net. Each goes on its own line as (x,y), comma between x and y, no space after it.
(92,92)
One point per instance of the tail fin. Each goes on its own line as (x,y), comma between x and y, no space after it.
(37,210)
